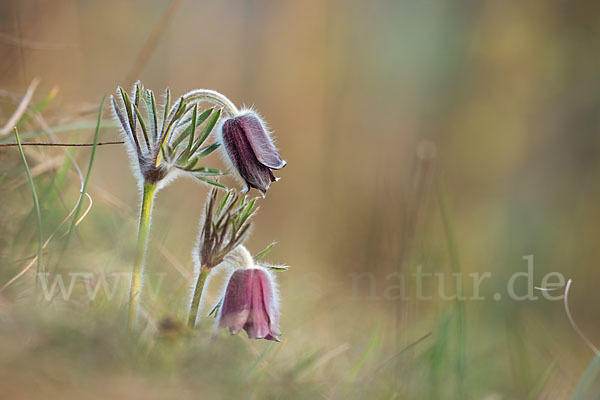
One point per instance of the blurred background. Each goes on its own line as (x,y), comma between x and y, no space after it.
(458,136)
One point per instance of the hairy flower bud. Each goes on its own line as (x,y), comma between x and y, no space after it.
(225,226)
(250,150)
(163,147)
(250,303)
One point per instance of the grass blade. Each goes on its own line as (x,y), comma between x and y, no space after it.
(461,359)
(39,107)
(77,126)
(36,203)
(87,177)
(587,379)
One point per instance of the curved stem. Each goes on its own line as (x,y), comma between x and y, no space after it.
(204,271)
(214,97)
(140,253)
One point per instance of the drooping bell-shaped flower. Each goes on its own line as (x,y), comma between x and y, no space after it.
(251,303)
(250,150)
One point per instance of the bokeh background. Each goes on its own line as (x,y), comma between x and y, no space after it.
(460,136)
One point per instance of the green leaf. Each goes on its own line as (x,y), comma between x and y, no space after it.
(207,171)
(136,102)
(202,117)
(181,110)
(152,113)
(124,124)
(191,164)
(189,130)
(242,233)
(278,267)
(205,151)
(176,115)
(205,114)
(211,182)
(228,207)
(207,129)
(248,212)
(265,251)
(164,154)
(223,202)
(128,110)
(166,111)
(142,125)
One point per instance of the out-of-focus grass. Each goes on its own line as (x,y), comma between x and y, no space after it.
(36,205)
(81,349)
(86,181)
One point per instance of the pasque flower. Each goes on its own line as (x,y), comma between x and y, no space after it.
(161,147)
(250,301)
(250,150)
(164,145)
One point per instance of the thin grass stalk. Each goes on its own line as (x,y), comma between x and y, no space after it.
(36,203)
(461,330)
(87,177)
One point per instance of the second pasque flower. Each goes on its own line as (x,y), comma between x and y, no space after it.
(250,301)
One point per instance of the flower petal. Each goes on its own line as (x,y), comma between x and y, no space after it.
(235,310)
(249,304)
(263,147)
(258,325)
(241,154)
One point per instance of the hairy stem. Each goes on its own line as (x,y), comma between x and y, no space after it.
(140,253)
(214,97)
(204,271)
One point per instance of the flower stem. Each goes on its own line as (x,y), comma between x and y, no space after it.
(214,97)
(204,271)
(140,253)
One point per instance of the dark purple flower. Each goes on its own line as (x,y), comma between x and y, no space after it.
(250,303)
(250,150)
